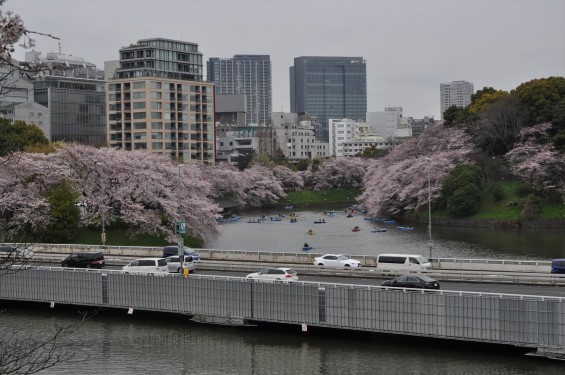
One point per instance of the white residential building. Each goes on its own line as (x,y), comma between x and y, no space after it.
(348,137)
(295,138)
(385,123)
(456,93)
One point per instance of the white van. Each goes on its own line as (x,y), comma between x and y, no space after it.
(402,262)
(147,265)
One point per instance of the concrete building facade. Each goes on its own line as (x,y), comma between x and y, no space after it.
(249,75)
(158,102)
(349,138)
(455,93)
(295,137)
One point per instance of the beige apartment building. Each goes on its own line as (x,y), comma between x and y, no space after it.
(158,102)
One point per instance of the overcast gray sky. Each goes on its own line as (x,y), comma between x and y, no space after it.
(411,46)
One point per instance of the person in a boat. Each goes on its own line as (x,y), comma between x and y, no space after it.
(306,245)
(356,227)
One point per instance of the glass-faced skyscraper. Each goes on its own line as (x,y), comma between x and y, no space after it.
(250,75)
(329,87)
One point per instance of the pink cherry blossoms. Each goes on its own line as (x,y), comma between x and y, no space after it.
(536,161)
(399,181)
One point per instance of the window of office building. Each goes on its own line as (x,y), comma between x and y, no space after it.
(138,85)
(138,105)
(156,85)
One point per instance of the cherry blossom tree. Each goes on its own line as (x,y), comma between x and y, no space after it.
(291,181)
(141,189)
(227,182)
(536,161)
(261,186)
(335,173)
(24,178)
(399,182)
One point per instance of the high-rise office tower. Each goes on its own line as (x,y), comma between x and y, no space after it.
(250,75)
(329,87)
(158,102)
(456,93)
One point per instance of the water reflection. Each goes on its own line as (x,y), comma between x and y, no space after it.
(336,236)
(168,344)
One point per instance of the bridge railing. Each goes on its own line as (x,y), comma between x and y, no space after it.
(504,265)
(528,321)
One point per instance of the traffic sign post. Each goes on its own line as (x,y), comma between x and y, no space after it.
(181,227)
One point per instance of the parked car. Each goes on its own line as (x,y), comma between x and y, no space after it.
(274,274)
(147,265)
(173,263)
(17,252)
(558,266)
(337,260)
(172,250)
(87,259)
(413,281)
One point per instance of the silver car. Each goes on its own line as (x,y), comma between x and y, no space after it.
(173,263)
(274,274)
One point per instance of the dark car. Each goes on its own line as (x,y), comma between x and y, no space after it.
(89,259)
(172,250)
(413,281)
(558,266)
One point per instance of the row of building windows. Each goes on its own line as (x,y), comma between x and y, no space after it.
(113,87)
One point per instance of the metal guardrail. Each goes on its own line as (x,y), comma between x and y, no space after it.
(460,264)
(528,278)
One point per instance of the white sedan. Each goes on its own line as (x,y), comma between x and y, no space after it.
(337,260)
(274,274)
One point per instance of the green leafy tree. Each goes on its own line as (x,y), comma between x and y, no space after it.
(15,137)
(373,152)
(302,164)
(464,201)
(243,161)
(461,190)
(455,116)
(541,97)
(64,213)
(484,100)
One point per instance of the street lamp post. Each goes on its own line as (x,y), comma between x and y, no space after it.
(103,208)
(429,213)
(180,227)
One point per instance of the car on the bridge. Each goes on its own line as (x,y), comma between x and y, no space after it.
(147,265)
(558,266)
(274,274)
(413,281)
(173,263)
(16,252)
(337,260)
(85,259)
(172,250)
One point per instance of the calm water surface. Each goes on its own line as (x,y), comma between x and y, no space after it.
(167,344)
(336,236)
(119,344)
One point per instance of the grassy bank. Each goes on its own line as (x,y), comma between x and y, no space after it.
(119,237)
(508,208)
(305,198)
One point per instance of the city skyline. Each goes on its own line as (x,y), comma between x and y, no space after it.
(410,47)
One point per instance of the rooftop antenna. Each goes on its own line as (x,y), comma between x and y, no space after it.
(59,47)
